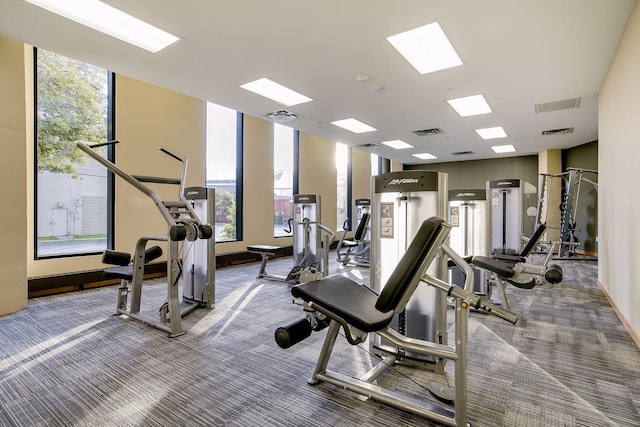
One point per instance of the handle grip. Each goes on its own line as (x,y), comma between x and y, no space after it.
(168,153)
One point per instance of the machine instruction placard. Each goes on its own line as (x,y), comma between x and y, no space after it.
(386,220)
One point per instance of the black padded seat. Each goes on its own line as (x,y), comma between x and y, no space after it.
(494,265)
(352,303)
(125,273)
(512,259)
(361,307)
(265,249)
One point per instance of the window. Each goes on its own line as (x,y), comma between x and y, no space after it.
(343,171)
(224,169)
(376,162)
(74,202)
(283,178)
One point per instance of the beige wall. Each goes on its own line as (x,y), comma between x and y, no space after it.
(318,175)
(618,177)
(13,164)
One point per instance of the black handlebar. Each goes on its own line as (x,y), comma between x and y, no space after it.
(102,144)
(170,154)
(289,222)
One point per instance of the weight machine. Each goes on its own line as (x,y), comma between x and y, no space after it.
(311,243)
(182,223)
(360,246)
(571,181)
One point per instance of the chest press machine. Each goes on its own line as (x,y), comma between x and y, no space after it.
(339,302)
(183,224)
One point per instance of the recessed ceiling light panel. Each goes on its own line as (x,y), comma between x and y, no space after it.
(424,156)
(276,92)
(427,48)
(354,125)
(111,21)
(492,133)
(470,105)
(503,149)
(397,144)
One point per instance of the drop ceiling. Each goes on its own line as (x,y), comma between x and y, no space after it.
(526,57)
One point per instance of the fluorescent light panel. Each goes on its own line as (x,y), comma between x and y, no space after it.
(427,48)
(424,156)
(470,105)
(397,144)
(492,133)
(503,149)
(276,92)
(111,21)
(354,125)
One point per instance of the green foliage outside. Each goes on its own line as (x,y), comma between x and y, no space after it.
(72,105)
(226,206)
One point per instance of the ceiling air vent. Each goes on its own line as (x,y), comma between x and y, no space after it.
(428,132)
(558,105)
(463,153)
(281,116)
(557,131)
(368,145)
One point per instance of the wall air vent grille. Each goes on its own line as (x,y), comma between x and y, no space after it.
(463,153)
(558,105)
(282,116)
(557,131)
(369,145)
(429,132)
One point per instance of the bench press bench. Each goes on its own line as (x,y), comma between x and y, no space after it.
(266,252)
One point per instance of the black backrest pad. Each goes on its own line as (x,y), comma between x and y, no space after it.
(407,268)
(533,241)
(362,227)
(152,253)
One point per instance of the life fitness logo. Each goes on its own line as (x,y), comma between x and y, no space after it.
(400,181)
(504,183)
(465,195)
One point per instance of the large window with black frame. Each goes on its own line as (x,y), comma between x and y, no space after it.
(224,169)
(73,203)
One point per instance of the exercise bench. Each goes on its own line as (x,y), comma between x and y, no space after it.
(266,252)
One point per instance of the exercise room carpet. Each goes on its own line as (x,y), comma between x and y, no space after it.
(66,360)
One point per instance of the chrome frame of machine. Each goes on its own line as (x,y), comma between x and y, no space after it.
(400,202)
(182,223)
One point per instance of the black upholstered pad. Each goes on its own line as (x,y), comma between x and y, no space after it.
(265,248)
(402,276)
(494,265)
(120,272)
(512,259)
(347,299)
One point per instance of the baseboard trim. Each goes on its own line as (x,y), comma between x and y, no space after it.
(627,325)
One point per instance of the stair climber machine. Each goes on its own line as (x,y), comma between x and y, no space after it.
(360,246)
(400,202)
(183,223)
(470,220)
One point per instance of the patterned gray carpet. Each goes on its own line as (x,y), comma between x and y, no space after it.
(67,361)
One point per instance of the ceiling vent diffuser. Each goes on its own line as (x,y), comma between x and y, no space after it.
(368,145)
(558,105)
(282,116)
(463,153)
(429,132)
(561,131)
